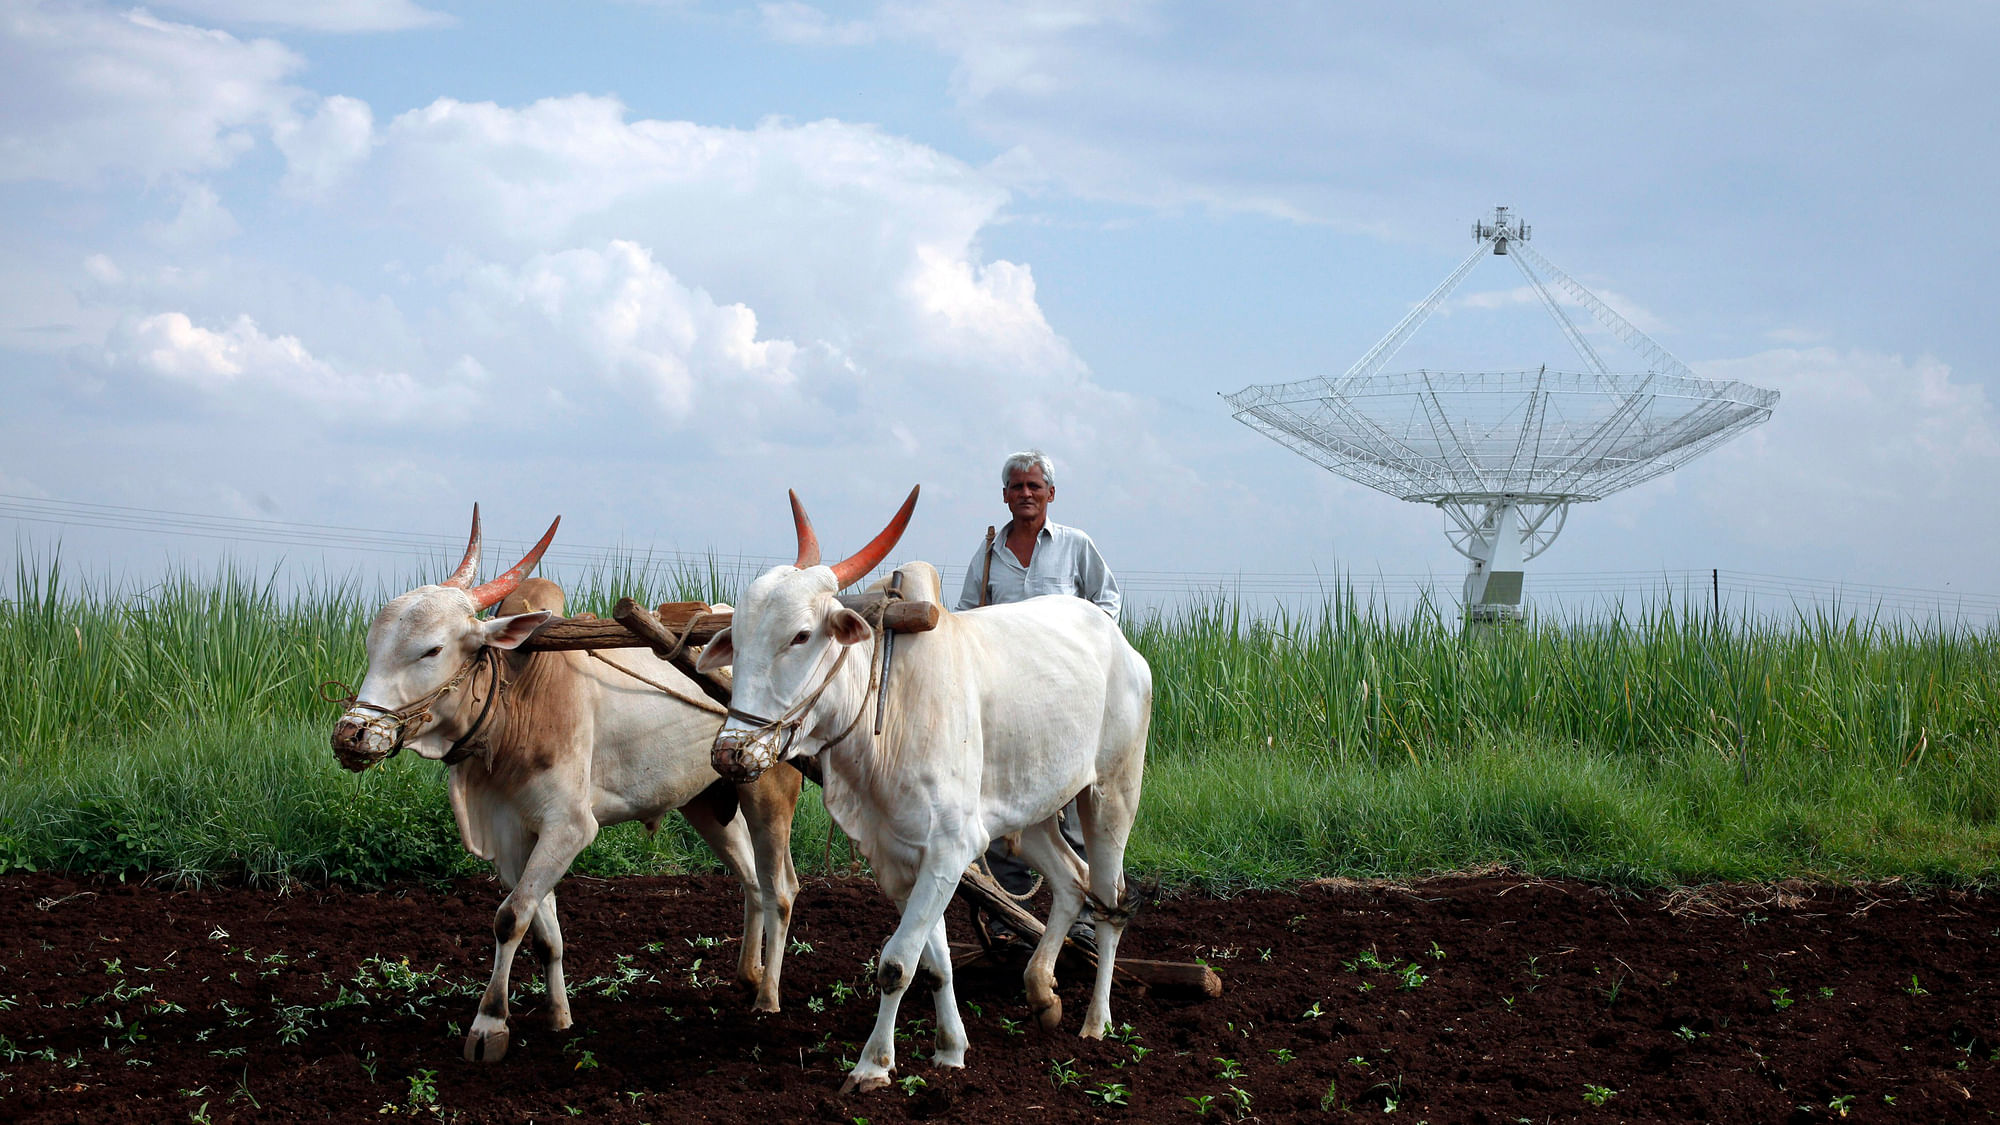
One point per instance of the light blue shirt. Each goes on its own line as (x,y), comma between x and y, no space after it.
(1064,561)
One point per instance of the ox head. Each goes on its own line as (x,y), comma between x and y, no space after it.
(422,652)
(787,640)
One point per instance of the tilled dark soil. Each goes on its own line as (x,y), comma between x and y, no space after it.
(1466,999)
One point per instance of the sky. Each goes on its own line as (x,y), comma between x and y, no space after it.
(648,265)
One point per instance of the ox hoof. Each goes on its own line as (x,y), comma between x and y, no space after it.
(486,1046)
(1050,1018)
(765,1004)
(857,1084)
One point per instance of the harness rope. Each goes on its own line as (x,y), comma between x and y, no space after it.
(389,730)
(792,720)
(702,702)
(392,725)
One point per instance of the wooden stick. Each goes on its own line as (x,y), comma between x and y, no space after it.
(976,886)
(646,623)
(589,632)
(578,632)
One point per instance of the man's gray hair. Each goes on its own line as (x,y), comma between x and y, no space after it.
(1028,459)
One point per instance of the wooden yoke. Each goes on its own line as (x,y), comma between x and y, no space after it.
(634,626)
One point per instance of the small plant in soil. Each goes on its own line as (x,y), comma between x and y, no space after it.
(1228,1069)
(1411,976)
(1283,1055)
(1369,960)
(1313,1012)
(1916,987)
(1598,1095)
(1201,1103)
(1064,1073)
(1108,1093)
(1781,998)
(1241,1097)
(910,1084)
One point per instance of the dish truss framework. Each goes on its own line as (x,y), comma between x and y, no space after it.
(1506,453)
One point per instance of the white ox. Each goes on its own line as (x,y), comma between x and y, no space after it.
(994,721)
(569,743)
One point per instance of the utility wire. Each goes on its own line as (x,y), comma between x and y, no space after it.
(1548,586)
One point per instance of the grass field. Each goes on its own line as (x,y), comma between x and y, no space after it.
(176,729)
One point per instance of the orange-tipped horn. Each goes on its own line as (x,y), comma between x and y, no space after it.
(469,568)
(808,542)
(850,570)
(489,594)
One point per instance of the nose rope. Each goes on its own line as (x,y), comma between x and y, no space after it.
(793,719)
(388,731)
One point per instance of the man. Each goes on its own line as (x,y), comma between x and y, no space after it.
(1032,557)
(1035,556)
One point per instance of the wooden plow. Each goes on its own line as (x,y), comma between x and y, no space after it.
(673,628)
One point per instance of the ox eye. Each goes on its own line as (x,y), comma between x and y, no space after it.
(804,636)
(435,649)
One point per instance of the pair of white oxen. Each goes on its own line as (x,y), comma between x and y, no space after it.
(995,720)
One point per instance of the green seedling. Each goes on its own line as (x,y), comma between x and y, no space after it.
(1200,1102)
(1598,1095)
(1283,1055)
(1313,1012)
(1781,998)
(1228,1069)
(1916,987)
(910,1084)
(1108,1093)
(1064,1073)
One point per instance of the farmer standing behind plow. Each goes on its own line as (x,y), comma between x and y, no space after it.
(1029,557)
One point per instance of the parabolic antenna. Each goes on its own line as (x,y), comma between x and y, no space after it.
(1505,453)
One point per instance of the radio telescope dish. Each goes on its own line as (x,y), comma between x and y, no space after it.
(1505,453)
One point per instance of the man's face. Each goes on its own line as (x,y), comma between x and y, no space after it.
(1027,494)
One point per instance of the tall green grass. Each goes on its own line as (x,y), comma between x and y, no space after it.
(176,729)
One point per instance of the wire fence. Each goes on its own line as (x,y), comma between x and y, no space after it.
(1566,594)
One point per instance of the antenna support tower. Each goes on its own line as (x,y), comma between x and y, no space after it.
(1505,453)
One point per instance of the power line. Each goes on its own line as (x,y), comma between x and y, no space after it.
(1549,587)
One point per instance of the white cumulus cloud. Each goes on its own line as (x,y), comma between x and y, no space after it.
(631,322)
(241,359)
(1882,459)
(86,91)
(322,149)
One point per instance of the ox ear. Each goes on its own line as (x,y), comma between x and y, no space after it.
(847,626)
(509,632)
(718,653)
